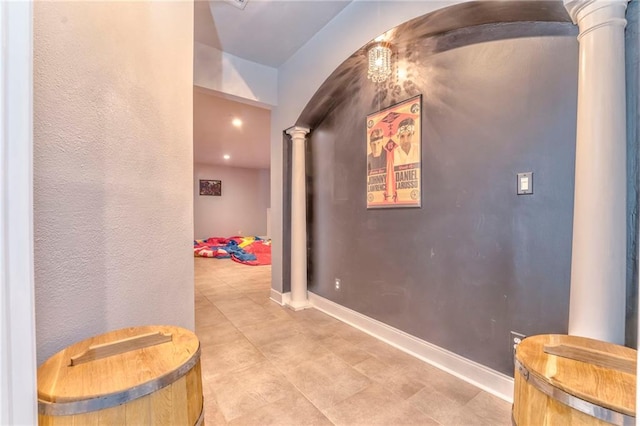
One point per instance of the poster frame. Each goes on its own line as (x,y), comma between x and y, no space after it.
(387,120)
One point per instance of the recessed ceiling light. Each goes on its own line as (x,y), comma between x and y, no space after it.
(226,156)
(236,122)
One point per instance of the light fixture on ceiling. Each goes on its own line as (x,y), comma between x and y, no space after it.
(226,156)
(379,54)
(236,122)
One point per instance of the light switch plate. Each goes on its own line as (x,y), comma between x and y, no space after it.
(525,183)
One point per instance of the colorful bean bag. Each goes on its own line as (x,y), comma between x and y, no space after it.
(247,250)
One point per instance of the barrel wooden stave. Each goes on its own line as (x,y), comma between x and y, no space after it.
(533,407)
(602,387)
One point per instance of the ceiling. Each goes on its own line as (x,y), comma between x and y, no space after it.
(214,135)
(268,32)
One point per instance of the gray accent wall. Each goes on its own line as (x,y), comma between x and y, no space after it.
(476,260)
(286,211)
(633,80)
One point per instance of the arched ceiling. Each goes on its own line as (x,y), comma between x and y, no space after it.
(435,32)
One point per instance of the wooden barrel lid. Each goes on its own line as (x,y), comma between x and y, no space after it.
(109,377)
(612,384)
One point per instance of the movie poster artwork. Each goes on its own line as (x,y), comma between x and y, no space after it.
(394,155)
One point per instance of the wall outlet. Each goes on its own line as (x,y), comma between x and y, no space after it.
(514,340)
(338,284)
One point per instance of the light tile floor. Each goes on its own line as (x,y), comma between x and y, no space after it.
(263,364)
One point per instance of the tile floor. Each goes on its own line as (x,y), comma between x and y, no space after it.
(263,364)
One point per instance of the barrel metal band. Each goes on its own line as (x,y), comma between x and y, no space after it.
(119,398)
(586,407)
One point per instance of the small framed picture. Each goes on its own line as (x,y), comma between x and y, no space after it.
(210,187)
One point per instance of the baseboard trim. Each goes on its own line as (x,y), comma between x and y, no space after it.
(280,298)
(298,306)
(478,375)
(276,296)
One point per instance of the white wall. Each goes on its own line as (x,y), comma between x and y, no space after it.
(113,153)
(231,75)
(301,76)
(242,208)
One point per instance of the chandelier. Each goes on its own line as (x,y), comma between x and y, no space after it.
(379,61)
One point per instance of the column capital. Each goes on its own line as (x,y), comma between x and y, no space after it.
(297,132)
(591,14)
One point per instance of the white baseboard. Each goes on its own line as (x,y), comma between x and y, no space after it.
(478,375)
(298,306)
(280,298)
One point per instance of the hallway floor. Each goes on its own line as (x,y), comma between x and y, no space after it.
(263,364)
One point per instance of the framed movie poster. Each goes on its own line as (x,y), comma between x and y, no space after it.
(210,187)
(394,157)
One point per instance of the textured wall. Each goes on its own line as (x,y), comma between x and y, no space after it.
(242,208)
(113,85)
(477,260)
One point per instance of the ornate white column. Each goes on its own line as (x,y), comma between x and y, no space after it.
(299,299)
(597,302)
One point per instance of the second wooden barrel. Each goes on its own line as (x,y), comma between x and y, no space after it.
(569,380)
(134,376)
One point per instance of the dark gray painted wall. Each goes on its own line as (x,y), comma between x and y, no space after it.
(633,132)
(286,212)
(476,261)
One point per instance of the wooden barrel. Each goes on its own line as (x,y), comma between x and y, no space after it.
(134,376)
(570,380)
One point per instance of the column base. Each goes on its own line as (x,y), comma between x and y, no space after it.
(298,306)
